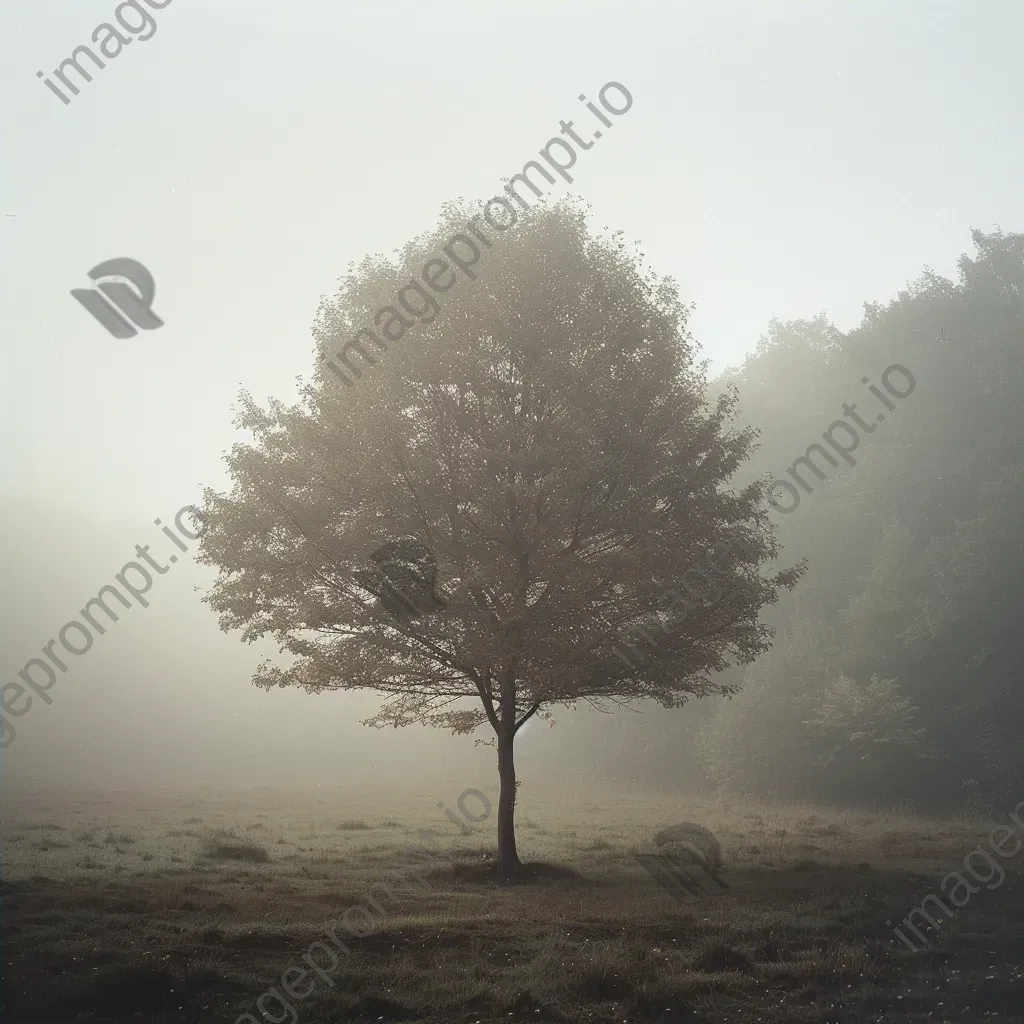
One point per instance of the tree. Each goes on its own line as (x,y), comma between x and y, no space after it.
(915,561)
(761,741)
(469,528)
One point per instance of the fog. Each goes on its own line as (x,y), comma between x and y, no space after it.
(516,508)
(779,160)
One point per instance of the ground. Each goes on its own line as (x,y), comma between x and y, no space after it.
(189,907)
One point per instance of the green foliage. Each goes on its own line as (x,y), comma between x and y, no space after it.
(915,558)
(854,722)
(760,740)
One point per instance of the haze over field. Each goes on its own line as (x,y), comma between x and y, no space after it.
(816,158)
(692,501)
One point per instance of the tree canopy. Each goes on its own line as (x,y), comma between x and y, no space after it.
(472,527)
(915,555)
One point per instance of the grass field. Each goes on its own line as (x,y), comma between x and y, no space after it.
(187,908)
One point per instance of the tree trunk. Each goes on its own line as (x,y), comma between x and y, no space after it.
(508,856)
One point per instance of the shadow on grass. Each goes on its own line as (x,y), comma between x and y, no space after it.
(115,993)
(483,869)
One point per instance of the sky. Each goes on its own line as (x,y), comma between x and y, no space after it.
(779,159)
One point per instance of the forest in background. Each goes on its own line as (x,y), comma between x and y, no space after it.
(895,674)
(892,674)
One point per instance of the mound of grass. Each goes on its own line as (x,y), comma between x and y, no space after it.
(220,847)
(353,826)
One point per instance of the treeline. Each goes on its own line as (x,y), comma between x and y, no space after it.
(897,666)
(897,670)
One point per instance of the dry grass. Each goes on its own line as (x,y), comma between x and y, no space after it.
(173,909)
(224,846)
(353,826)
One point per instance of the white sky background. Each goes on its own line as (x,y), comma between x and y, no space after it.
(779,159)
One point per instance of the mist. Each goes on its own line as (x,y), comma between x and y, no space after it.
(703,473)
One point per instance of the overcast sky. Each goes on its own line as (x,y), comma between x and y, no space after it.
(779,159)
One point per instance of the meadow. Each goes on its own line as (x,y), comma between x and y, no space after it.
(185,907)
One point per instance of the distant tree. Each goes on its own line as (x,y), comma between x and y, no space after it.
(800,727)
(881,618)
(760,741)
(967,645)
(915,561)
(861,730)
(469,529)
